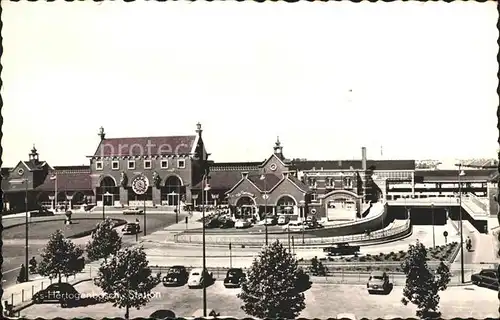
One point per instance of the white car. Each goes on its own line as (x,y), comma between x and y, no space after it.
(283,219)
(241,224)
(294,226)
(198,278)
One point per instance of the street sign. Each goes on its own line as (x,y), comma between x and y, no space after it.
(140,185)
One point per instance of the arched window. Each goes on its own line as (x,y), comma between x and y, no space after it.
(286,205)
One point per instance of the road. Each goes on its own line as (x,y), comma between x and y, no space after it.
(322,301)
(164,253)
(14,250)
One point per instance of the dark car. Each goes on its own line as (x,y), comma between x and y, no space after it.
(303,281)
(62,293)
(226,223)
(212,223)
(131,228)
(163,314)
(340,249)
(313,225)
(176,276)
(41,212)
(487,278)
(234,277)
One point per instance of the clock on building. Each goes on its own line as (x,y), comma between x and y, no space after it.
(273,166)
(140,184)
(20,171)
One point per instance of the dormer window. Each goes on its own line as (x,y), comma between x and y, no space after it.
(131,165)
(181,163)
(98,165)
(147,164)
(115,165)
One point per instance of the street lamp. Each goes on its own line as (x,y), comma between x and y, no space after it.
(204,187)
(433,234)
(460,174)
(107,194)
(25,182)
(265,196)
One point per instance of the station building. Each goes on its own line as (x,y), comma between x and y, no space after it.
(171,169)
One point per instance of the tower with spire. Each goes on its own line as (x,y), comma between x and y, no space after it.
(278,149)
(33,156)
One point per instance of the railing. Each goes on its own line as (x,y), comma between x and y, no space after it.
(258,239)
(477,201)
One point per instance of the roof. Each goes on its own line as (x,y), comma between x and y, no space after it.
(143,146)
(270,181)
(224,180)
(69,180)
(33,166)
(227,166)
(479,163)
(452,175)
(72,168)
(299,183)
(354,164)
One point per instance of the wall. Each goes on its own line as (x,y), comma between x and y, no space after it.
(492,193)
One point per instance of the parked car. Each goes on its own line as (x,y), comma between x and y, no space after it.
(378,282)
(62,293)
(212,223)
(200,278)
(487,278)
(163,314)
(234,277)
(241,224)
(294,226)
(340,249)
(133,211)
(283,219)
(311,219)
(41,212)
(131,228)
(226,223)
(313,225)
(176,276)
(270,220)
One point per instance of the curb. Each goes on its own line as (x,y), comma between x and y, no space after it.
(29,303)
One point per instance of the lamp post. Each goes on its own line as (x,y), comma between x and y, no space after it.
(107,194)
(461,173)
(204,187)
(265,196)
(25,182)
(433,233)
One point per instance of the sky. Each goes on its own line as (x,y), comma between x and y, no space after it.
(406,80)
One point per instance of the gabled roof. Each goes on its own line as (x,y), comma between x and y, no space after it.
(34,166)
(143,146)
(275,157)
(68,180)
(288,176)
(353,164)
(270,181)
(222,180)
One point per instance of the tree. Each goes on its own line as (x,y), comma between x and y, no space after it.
(422,284)
(271,289)
(127,279)
(60,257)
(317,268)
(105,241)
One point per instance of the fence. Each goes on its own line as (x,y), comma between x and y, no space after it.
(24,292)
(299,238)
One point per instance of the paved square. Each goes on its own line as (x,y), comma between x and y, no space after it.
(322,301)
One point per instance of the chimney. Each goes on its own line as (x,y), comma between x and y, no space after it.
(101,133)
(198,129)
(363,158)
